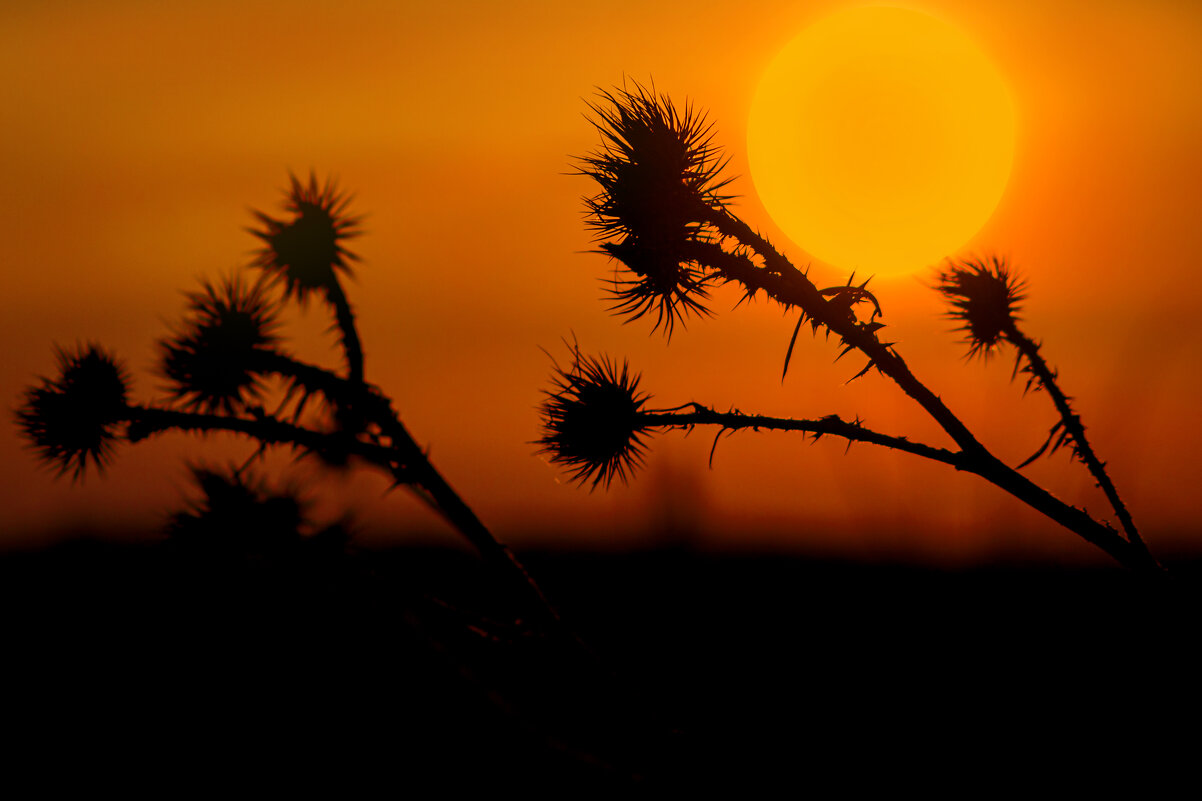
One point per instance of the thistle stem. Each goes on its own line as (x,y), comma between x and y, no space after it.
(147,421)
(1076,430)
(378,409)
(313,379)
(1076,520)
(349,333)
(708,241)
(787,285)
(980,462)
(402,458)
(453,507)
(832,424)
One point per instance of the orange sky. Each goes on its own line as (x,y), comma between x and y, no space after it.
(138,134)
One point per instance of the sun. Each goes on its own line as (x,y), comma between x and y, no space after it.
(881,140)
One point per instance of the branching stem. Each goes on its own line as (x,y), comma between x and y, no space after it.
(692,240)
(789,286)
(402,458)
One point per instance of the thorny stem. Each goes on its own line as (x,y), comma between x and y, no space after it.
(832,424)
(1103,536)
(349,332)
(981,463)
(1072,424)
(783,282)
(786,284)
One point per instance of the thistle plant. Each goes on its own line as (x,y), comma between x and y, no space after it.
(306,253)
(226,359)
(659,214)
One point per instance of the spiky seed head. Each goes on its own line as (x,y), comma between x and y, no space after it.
(591,420)
(75,418)
(658,170)
(985,296)
(209,362)
(305,251)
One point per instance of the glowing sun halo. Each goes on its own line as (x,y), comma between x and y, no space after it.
(881,139)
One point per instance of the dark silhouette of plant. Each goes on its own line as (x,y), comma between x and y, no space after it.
(655,166)
(221,360)
(592,421)
(306,254)
(75,418)
(985,297)
(209,364)
(659,215)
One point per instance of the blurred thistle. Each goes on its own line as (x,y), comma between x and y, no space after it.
(236,512)
(210,362)
(659,172)
(215,364)
(75,418)
(306,253)
(591,420)
(984,296)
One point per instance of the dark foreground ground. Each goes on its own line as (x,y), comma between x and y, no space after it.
(164,668)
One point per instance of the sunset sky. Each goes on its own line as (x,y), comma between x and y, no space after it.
(139,135)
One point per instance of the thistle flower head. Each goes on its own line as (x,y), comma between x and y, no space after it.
(658,170)
(75,418)
(984,296)
(209,363)
(306,250)
(591,420)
